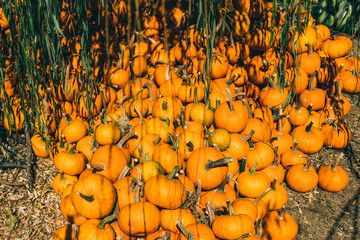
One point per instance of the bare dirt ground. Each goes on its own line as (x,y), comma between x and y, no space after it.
(35,213)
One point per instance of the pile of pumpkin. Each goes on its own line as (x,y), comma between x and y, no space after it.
(171,154)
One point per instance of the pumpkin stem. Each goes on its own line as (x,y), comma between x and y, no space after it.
(97,166)
(337,161)
(125,138)
(151,91)
(272,186)
(244,236)
(311,80)
(242,165)
(231,103)
(217,102)
(275,163)
(211,133)
(219,163)
(166,120)
(308,127)
(136,109)
(190,146)
(124,99)
(251,144)
(182,118)
(182,229)
(281,215)
(72,150)
(164,105)
(309,108)
(172,139)
(211,212)
(307,165)
(253,168)
(231,80)
(101,225)
(123,172)
(230,208)
(246,103)
(196,100)
(310,49)
(157,141)
(271,82)
(220,188)
(89,198)
(248,136)
(338,89)
(294,148)
(265,66)
(176,144)
(172,173)
(257,200)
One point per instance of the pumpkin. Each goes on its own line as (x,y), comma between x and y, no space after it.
(280,225)
(310,139)
(70,162)
(125,192)
(302,178)
(107,133)
(260,153)
(245,206)
(208,165)
(297,42)
(97,229)
(252,184)
(61,181)
(333,178)
(139,219)
(40,146)
(219,137)
(93,196)
(110,161)
(272,96)
(337,47)
(276,197)
(69,212)
(169,218)
(231,116)
(164,191)
(232,226)
(292,156)
(337,135)
(199,231)
(167,107)
(64,233)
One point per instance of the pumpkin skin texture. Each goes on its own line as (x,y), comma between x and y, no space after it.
(75,131)
(333,178)
(64,233)
(252,184)
(71,163)
(302,178)
(92,230)
(338,47)
(261,153)
(310,139)
(245,206)
(124,194)
(337,135)
(93,196)
(232,226)
(39,147)
(233,119)
(196,168)
(61,181)
(169,218)
(107,134)
(69,212)
(280,226)
(199,231)
(164,191)
(139,219)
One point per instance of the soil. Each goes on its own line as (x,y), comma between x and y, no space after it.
(34,213)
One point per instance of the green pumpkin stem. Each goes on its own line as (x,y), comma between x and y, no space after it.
(248,136)
(182,118)
(175,146)
(101,225)
(166,120)
(196,100)
(147,158)
(242,165)
(137,95)
(251,144)
(308,127)
(219,163)
(72,150)
(337,161)
(105,122)
(309,108)
(172,173)
(157,141)
(164,105)
(244,236)
(253,168)
(190,146)
(89,198)
(230,208)
(211,133)
(172,139)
